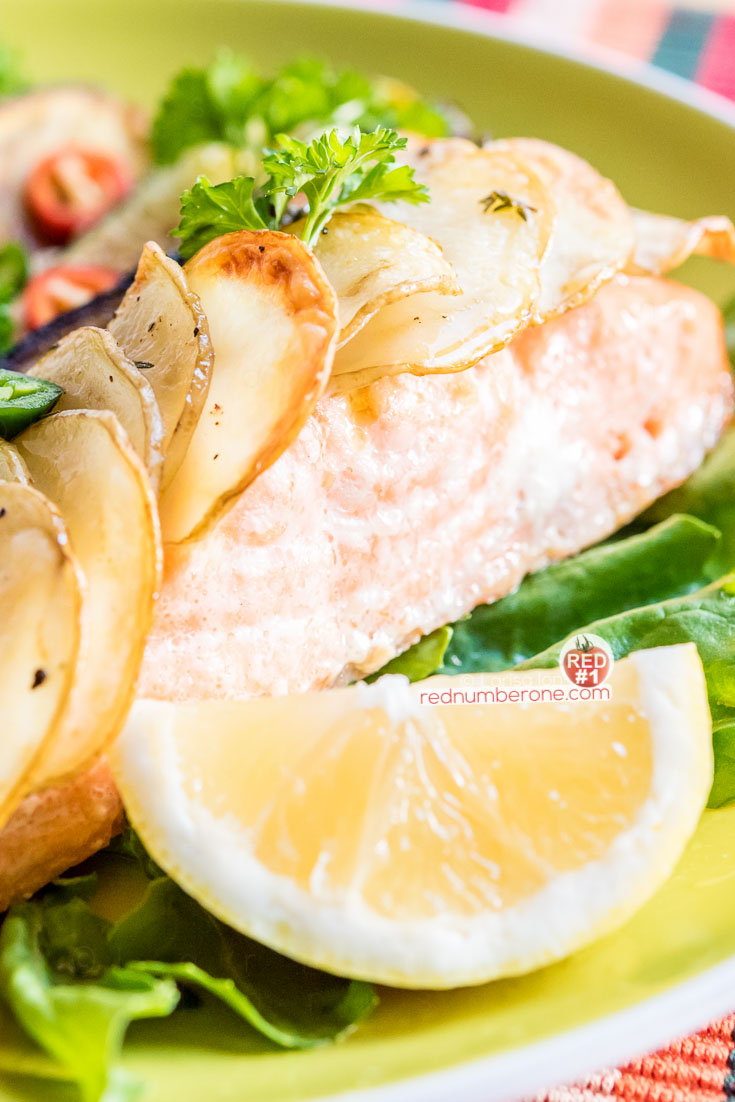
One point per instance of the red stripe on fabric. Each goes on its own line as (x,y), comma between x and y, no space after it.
(716,68)
(690,1070)
(631,26)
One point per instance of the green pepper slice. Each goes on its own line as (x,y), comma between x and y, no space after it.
(23,399)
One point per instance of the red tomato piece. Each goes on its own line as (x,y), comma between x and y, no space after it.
(70,190)
(57,290)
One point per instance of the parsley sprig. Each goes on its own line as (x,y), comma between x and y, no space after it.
(230,101)
(328,172)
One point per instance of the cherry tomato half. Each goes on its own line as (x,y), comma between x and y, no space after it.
(70,190)
(57,290)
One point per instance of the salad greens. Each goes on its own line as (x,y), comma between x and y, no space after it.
(13,278)
(229,101)
(666,561)
(709,494)
(64,990)
(420,660)
(75,981)
(706,618)
(328,172)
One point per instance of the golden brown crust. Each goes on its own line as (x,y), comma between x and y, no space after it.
(55,829)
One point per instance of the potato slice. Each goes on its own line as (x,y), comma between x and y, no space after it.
(161,327)
(371,260)
(496,255)
(273,319)
(12,467)
(40,598)
(594,236)
(663,243)
(83,462)
(95,373)
(37,124)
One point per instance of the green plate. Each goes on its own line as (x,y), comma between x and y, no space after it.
(669,147)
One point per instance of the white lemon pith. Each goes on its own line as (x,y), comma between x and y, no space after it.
(371,835)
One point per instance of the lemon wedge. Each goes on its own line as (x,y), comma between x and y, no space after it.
(372,834)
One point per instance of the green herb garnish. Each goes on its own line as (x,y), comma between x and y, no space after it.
(23,399)
(13,278)
(328,172)
(229,101)
(498,201)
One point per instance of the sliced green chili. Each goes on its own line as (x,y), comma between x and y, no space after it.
(23,399)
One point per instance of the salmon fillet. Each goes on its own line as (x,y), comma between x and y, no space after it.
(403,506)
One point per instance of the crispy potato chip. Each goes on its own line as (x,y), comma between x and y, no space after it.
(12,467)
(160,325)
(40,598)
(593,237)
(273,319)
(95,373)
(494,247)
(663,243)
(371,260)
(84,463)
(39,123)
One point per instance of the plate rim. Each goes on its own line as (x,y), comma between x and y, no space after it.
(598,1046)
(612,1039)
(458,15)
(605,1042)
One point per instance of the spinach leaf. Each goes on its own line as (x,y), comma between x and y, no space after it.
(709,494)
(706,618)
(666,561)
(420,660)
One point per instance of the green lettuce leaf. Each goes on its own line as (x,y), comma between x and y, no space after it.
(74,981)
(56,977)
(666,561)
(169,934)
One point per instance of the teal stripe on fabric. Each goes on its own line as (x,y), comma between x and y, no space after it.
(683,41)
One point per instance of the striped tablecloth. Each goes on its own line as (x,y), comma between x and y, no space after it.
(691,41)
(697,43)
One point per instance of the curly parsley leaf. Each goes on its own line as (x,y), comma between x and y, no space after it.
(230,102)
(209,210)
(328,172)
